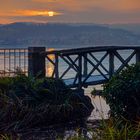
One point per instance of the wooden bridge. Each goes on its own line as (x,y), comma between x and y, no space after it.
(78,68)
(83,66)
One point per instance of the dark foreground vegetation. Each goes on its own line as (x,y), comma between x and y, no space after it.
(27,102)
(122,93)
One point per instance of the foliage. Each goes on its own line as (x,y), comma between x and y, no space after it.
(111,129)
(8,137)
(28,102)
(115,129)
(122,93)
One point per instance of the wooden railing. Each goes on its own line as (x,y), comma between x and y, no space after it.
(89,68)
(78,68)
(13,60)
(84,66)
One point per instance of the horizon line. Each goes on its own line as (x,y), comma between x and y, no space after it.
(91,23)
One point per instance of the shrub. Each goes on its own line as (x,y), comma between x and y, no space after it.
(28,102)
(122,93)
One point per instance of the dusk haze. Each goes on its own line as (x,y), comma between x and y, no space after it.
(69,69)
(73,11)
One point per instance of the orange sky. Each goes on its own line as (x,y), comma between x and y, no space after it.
(91,11)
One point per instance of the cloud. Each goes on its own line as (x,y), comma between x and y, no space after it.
(98,15)
(30,13)
(36,13)
(101,11)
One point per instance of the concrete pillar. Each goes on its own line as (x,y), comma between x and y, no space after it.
(36,61)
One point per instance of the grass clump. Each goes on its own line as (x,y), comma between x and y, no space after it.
(110,130)
(107,130)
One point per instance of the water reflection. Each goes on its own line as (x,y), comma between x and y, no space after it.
(101,109)
(50,67)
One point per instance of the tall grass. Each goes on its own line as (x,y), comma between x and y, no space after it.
(111,130)
(8,137)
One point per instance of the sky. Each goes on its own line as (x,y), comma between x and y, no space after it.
(70,11)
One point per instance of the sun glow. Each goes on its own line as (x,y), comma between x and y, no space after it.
(51,13)
(36,13)
(50,66)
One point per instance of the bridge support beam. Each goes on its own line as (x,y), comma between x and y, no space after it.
(111,64)
(85,65)
(36,61)
(138,56)
(80,72)
(56,69)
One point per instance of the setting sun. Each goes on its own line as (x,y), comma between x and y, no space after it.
(51,13)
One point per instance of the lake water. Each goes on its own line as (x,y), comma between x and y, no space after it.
(101,108)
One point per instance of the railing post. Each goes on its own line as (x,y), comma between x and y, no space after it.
(137,55)
(111,63)
(85,65)
(36,61)
(80,72)
(56,67)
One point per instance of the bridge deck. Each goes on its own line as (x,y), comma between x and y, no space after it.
(92,80)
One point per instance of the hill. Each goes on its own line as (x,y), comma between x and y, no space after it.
(135,28)
(65,34)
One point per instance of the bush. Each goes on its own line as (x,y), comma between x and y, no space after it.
(122,93)
(28,102)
